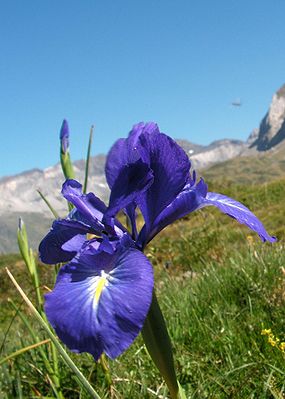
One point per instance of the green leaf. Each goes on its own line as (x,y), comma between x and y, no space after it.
(53,211)
(88,160)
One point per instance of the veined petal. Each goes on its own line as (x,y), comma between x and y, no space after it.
(239,212)
(170,166)
(63,241)
(132,180)
(100,301)
(187,201)
(127,151)
(89,206)
(196,197)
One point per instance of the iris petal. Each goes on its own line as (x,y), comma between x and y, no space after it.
(132,180)
(170,167)
(239,212)
(89,206)
(100,302)
(187,201)
(126,151)
(63,241)
(196,197)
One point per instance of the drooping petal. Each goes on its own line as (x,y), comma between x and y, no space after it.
(187,201)
(196,197)
(239,212)
(100,301)
(63,241)
(132,180)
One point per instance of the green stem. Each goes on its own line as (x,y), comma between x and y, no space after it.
(105,367)
(158,344)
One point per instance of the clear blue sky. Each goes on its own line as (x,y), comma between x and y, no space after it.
(114,63)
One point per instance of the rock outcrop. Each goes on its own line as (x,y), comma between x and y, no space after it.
(271,131)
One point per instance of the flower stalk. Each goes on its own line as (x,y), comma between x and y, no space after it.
(159,346)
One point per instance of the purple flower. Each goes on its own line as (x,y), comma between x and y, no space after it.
(64,136)
(102,295)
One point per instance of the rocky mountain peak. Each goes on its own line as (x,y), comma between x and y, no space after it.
(272,127)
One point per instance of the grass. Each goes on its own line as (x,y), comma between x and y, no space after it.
(218,287)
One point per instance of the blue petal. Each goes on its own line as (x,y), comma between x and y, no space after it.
(63,241)
(196,197)
(239,212)
(187,201)
(126,151)
(170,166)
(168,161)
(100,301)
(89,206)
(132,180)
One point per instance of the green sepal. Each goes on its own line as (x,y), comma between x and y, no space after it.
(24,245)
(67,169)
(158,344)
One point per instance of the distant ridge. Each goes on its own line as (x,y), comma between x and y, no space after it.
(260,159)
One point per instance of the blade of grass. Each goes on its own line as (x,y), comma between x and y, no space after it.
(19,386)
(81,378)
(53,376)
(23,350)
(88,160)
(53,211)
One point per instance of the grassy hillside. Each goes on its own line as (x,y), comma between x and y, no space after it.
(218,286)
(260,168)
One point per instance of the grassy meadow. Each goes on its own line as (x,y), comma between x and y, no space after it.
(218,287)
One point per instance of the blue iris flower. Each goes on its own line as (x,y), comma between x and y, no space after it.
(103,293)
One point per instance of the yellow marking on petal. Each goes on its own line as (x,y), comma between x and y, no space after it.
(91,236)
(99,288)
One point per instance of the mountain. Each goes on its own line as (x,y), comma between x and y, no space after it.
(271,131)
(258,167)
(259,159)
(19,198)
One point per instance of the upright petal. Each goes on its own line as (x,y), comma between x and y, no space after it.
(100,301)
(170,166)
(127,151)
(131,182)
